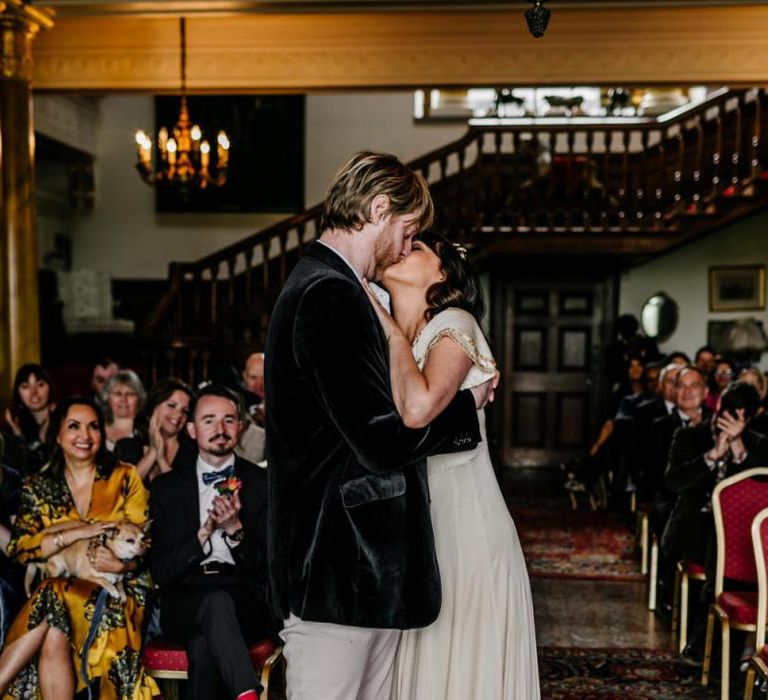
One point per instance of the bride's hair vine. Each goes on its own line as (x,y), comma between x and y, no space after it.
(460,249)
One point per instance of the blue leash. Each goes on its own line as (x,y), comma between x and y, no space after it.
(98,612)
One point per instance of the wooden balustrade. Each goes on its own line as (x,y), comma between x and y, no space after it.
(613,177)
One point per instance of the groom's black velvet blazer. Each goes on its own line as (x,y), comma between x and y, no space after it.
(349,538)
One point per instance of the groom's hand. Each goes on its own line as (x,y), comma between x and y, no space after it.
(485,393)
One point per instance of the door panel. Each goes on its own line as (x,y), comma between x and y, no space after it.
(552,361)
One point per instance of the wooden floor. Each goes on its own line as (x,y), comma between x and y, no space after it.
(572,613)
(577,613)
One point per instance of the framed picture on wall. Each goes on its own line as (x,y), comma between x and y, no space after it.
(737,288)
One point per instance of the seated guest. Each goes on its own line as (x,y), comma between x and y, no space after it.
(705,360)
(82,491)
(26,421)
(629,343)
(690,393)
(722,375)
(209,552)
(700,457)
(253,375)
(677,358)
(103,369)
(122,399)
(160,429)
(631,427)
(253,380)
(662,424)
(631,386)
(753,376)
(11,574)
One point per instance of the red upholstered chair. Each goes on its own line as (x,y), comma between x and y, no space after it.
(759,661)
(168,663)
(686,571)
(735,503)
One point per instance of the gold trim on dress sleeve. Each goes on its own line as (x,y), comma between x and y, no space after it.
(466,343)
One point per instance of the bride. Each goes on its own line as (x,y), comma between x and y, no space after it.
(483,643)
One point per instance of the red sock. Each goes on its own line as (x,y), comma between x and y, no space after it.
(248,695)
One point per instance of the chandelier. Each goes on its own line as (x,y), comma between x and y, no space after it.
(183,158)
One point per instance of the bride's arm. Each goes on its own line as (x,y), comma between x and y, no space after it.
(421,396)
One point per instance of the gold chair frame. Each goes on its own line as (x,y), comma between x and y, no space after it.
(170,686)
(715,611)
(680,604)
(756,663)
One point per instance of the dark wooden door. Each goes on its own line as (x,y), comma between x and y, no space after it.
(553,359)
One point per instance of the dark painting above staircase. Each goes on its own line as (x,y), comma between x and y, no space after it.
(266,158)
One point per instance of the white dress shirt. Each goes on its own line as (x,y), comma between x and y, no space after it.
(217,547)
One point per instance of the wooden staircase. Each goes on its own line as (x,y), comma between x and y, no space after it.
(629,187)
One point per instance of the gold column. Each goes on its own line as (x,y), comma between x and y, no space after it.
(19,305)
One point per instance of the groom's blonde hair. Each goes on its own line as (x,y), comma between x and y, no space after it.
(363,177)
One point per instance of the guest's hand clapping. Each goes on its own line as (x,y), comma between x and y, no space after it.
(157,441)
(224,514)
(730,429)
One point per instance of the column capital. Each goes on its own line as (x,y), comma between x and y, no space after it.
(19,23)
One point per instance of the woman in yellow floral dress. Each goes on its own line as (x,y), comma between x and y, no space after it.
(82,483)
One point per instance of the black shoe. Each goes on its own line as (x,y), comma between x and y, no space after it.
(691,656)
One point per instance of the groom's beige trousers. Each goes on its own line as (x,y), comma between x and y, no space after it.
(336,662)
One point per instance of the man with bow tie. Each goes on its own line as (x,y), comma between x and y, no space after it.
(209,552)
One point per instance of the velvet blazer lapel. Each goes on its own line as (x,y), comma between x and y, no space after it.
(324,255)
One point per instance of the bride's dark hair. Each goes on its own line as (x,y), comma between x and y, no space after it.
(461,288)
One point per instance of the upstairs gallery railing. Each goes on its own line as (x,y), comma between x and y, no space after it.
(613,177)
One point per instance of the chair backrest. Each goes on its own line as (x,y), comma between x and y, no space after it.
(760,546)
(735,503)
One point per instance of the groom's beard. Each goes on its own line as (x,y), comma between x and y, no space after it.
(384,253)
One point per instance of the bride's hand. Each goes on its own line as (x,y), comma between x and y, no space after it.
(485,393)
(385,318)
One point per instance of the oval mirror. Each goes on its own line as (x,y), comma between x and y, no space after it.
(659,317)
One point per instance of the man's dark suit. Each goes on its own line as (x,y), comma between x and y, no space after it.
(203,610)
(350,537)
(689,531)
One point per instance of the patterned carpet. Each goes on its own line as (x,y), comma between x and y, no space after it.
(562,543)
(613,674)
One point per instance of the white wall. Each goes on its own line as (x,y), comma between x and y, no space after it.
(340,125)
(683,274)
(124,236)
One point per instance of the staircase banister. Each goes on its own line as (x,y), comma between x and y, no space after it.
(254,240)
(176,272)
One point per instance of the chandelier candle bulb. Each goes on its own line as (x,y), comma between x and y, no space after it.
(205,155)
(171,151)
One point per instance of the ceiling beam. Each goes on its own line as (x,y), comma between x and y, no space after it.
(357,50)
(144,8)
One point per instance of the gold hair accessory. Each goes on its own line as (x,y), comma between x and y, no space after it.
(460,249)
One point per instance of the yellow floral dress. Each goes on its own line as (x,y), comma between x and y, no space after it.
(68,604)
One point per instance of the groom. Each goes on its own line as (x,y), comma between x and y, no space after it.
(350,543)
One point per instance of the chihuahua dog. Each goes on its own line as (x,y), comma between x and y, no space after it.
(125,540)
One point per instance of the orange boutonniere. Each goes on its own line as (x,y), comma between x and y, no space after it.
(227,487)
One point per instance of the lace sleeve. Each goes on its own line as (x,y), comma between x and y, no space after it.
(462,328)
(484,362)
